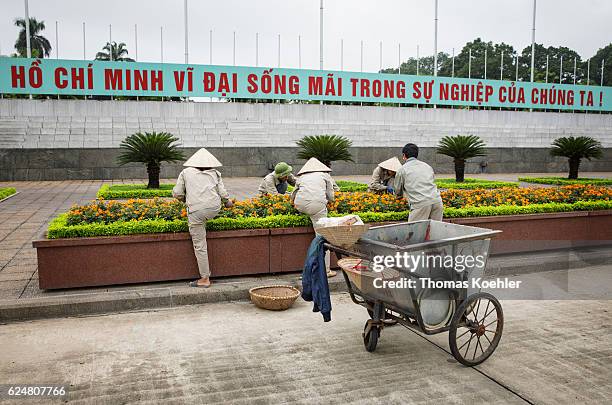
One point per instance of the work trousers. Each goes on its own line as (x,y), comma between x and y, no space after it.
(197,229)
(431,211)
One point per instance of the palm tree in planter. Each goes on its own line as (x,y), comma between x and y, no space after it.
(461,148)
(326,148)
(575,149)
(150,148)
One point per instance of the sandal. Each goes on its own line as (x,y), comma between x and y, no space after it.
(196,285)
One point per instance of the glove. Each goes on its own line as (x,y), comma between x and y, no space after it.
(390,190)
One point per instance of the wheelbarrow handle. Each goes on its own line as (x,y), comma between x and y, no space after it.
(345,252)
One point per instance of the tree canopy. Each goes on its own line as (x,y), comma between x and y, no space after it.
(494,61)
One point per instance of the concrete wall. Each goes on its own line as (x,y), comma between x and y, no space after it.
(58,139)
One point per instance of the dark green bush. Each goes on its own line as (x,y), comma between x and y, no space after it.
(6,192)
(562,181)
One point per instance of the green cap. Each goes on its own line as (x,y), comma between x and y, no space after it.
(282,169)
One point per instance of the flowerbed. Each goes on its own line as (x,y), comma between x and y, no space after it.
(7,192)
(525,196)
(560,181)
(102,217)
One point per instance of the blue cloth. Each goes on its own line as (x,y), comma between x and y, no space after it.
(314,279)
(390,190)
(282,187)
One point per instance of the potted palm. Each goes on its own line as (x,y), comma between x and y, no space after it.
(150,148)
(326,148)
(461,148)
(575,149)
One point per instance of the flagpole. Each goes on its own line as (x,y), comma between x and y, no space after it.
(136,42)
(56,42)
(186,33)
(27,31)
(533,40)
(84,48)
(417,61)
(110,42)
(435,69)
(321,38)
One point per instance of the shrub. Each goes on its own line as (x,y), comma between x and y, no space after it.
(150,148)
(125,191)
(461,148)
(326,148)
(6,192)
(564,181)
(575,149)
(470,183)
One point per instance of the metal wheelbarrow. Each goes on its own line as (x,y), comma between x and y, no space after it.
(443,294)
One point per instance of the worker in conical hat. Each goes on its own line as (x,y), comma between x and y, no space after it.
(314,188)
(384,175)
(201,188)
(278,181)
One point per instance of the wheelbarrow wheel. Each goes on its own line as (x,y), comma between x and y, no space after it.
(476,329)
(370,337)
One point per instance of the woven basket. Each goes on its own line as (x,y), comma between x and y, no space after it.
(343,235)
(274,297)
(361,274)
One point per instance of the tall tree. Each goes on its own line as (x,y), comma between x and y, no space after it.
(119,52)
(426,64)
(554,64)
(604,54)
(39,45)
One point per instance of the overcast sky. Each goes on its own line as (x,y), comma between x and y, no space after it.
(581,25)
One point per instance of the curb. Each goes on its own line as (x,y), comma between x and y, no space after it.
(84,304)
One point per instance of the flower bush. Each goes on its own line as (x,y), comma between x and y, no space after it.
(361,201)
(525,196)
(108,211)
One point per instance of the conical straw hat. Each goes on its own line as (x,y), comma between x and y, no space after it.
(314,165)
(392,164)
(202,158)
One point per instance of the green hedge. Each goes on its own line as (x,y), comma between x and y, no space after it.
(123,191)
(6,192)
(561,181)
(59,229)
(485,211)
(470,184)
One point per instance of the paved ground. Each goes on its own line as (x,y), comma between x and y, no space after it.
(552,352)
(25,216)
